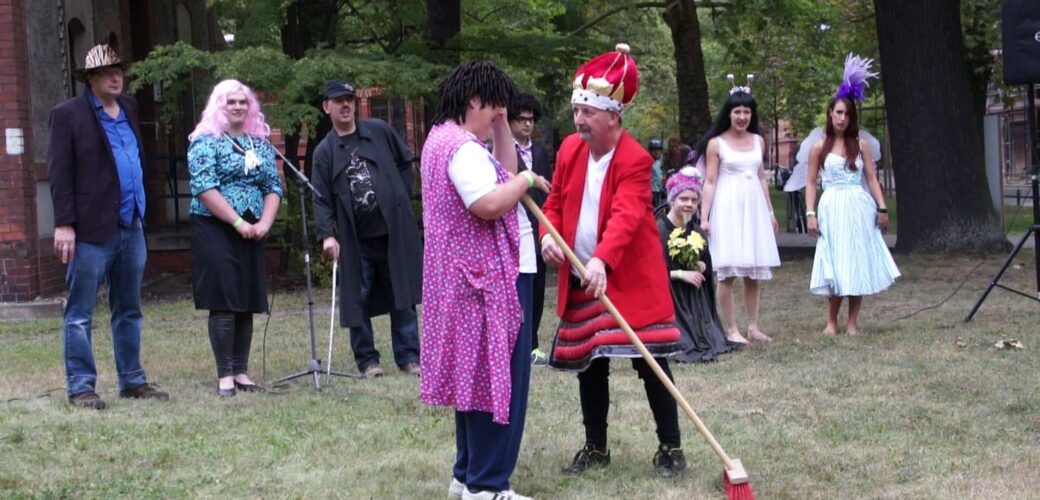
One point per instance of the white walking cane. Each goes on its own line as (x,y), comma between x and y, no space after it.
(332,321)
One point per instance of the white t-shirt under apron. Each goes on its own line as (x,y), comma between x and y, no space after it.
(473,175)
(585,236)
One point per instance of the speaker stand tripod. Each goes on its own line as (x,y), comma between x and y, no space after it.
(1034,230)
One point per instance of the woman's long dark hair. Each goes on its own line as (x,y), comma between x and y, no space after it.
(483,79)
(851,137)
(722,122)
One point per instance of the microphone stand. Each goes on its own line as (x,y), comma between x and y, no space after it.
(314,366)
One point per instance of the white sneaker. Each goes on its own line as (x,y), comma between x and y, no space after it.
(491,495)
(456,489)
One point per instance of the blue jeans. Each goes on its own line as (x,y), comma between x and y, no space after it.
(486,452)
(119,262)
(404,323)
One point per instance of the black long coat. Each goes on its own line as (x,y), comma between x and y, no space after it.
(390,162)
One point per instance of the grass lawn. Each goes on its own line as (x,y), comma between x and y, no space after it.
(923,407)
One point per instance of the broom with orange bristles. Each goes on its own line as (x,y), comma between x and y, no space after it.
(734,478)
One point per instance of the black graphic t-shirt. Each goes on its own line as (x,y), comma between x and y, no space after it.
(368,219)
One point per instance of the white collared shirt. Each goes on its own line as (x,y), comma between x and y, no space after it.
(526,153)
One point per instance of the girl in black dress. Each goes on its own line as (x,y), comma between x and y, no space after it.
(693,290)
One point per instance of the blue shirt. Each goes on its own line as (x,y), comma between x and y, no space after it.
(214,164)
(128,162)
(655,177)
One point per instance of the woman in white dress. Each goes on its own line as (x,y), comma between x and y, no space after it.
(852,259)
(737,213)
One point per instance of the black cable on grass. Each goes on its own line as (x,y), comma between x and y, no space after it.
(263,348)
(966,275)
(46,394)
(482,79)
(263,343)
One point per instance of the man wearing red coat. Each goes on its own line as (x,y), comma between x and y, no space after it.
(600,203)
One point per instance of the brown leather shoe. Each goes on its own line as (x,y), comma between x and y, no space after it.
(373,371)
(144,391)
(87,400)
(412,369)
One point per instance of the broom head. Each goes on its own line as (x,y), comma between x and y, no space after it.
(736,482)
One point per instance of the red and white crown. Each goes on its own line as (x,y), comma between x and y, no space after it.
(608,82)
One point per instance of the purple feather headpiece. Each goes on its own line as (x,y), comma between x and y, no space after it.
(854,84)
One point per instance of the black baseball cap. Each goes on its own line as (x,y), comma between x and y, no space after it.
(655,144)
(338,88)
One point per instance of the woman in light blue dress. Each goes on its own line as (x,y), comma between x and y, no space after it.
(852,259)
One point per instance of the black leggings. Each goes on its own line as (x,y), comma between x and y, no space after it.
(593,386)
(230,334)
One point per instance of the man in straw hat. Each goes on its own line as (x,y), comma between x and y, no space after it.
(600,203)
(94,161)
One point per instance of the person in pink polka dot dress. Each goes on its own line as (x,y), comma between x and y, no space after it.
(476,323)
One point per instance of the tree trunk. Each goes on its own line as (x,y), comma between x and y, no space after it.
(443,21)
(307,24)
(692,85)
(936,146)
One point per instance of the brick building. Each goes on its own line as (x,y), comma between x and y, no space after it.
(41,43)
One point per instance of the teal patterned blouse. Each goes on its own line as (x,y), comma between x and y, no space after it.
(214,163)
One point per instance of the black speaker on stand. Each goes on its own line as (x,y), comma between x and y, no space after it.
(1020,38)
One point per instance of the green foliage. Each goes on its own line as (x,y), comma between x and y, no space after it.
(291,89)
(287,49)
(795,49)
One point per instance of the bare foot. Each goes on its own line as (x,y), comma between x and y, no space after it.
(757,335)
(830,330)
(852,332)
(735,337)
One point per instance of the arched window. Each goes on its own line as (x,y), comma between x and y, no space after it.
(184,24)
(77,50)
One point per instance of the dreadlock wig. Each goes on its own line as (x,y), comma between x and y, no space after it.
(483,79)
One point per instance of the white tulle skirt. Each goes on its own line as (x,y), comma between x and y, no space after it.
(742,241)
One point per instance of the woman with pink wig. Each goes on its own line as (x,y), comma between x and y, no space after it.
(235,191)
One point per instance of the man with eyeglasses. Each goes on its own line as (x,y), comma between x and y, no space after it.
(524,111)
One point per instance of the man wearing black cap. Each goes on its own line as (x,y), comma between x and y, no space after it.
(364,218)
(656,182)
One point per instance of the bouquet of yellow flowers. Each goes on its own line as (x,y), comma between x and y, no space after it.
(686,250)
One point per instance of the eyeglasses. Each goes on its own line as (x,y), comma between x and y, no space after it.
(525,119)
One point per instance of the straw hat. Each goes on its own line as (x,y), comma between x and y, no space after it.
(100,56)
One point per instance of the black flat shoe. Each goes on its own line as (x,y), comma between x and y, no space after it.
(225,393)
(248,387)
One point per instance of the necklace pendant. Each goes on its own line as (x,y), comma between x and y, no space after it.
(251,161)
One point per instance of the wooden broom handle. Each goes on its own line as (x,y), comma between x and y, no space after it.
(533,207)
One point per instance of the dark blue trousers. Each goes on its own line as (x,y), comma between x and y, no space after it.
(486,452)
(404,323)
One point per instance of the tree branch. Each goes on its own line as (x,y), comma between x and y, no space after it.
(644,5)
(481,19)
(365,22)
(615,10)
